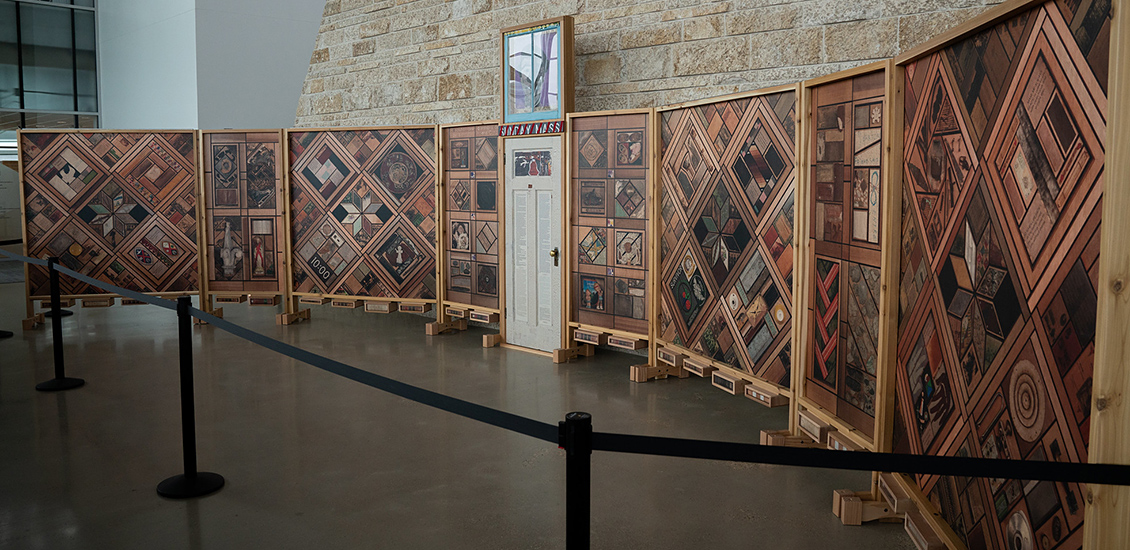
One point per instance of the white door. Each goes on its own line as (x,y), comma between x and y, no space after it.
(533,240)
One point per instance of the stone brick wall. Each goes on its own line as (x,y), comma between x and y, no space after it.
(436,61)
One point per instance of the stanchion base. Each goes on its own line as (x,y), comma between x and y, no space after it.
(60,384)
(62,313)
(183,486)
(6,334)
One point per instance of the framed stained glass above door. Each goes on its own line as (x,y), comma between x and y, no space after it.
(537,71)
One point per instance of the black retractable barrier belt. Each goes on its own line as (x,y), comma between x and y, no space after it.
(487,415)
(1105,474)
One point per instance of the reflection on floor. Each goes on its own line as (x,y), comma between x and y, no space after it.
(314,460)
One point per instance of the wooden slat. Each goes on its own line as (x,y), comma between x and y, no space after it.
(1107,519)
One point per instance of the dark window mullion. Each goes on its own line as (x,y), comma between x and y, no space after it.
(20,57)
(74,67)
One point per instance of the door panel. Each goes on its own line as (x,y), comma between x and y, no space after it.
(533,231)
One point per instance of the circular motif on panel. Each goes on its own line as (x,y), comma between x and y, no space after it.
(399,172)
(1019,535)
(1026,402)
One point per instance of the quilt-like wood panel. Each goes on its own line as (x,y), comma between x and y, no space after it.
(116,206)
(847,190)
(472,208)
(362,211)
(244,208)
(611,174)
(729,181)
(1003,178)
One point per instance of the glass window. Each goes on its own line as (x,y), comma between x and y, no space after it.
(86,75)
(9,57)
(47,57)
(87,121)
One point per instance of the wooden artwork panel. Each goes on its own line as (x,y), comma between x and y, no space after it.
(471,185)
(1003,178)
(610,175)
(119,207)
(363,212)
(244,212)
(846,189)
(726,252)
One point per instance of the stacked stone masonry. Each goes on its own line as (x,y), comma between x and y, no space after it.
(436,61)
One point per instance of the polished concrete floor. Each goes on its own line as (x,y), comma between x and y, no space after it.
(317,461)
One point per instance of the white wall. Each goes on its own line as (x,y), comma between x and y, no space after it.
(251,58)
(147,57)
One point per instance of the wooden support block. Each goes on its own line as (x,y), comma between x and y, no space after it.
(857,508)
(837,441)
(838,497)
(291,318)
(563,355)
(415,308)
(590,337)
(730,384)
(97,302)
(346,304)
(46,304)
(455,312)
(483,317)
(34,321)
(269,300)
(315,300)
(783,438)
(671,357)
(894,494)
(627,343)
(815,428)
(643,373)
(766,396)
(230,299)
(921,534)
(381,307)
(218,312)
(437,328)
(491,340)
(696,366)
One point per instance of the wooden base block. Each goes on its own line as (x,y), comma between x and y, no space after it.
(46,304)
(840,442)
(590,337)
(436,328)
(856,508)
(671,357)
(345,304)
(784,438)
(491,340)
(271,300)
(218,312)
(730,384)
(697,366)
(765,396)
(894,493)
(98,302)
(483,317)
(382,307)
(626,343)
(563,355)
(643,373)
(815,428)
(291,318)
(230,299)
(314,300)
(921,534)
(415,308)
(34,321)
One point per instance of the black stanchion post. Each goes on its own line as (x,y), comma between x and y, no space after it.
(60,382)
(191,483)
(575,435)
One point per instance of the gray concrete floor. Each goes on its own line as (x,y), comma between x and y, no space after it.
(317,461)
